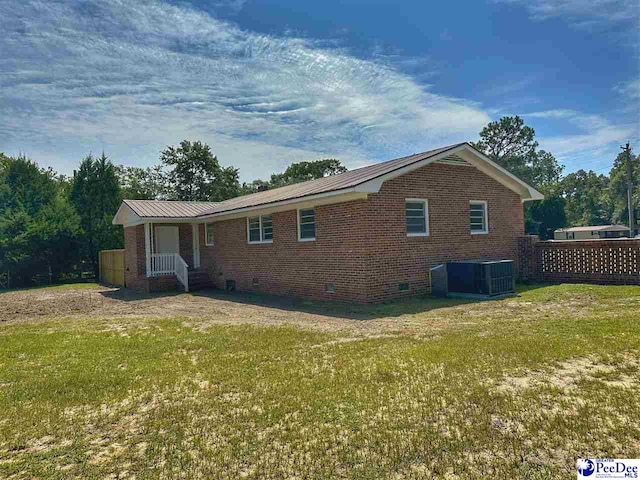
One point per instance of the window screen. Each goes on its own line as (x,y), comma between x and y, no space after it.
(254,229)
(267,228)
(416,217)
(478,217)
(307,221)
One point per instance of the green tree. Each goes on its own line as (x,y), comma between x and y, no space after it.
(303,171)
(26,185)
(296,173)
(618,188)
(57,237)
(253,187)
(196,175)
(142,183)
(95,193)
(38,228)
(543,217)
(511,144)
(586,198)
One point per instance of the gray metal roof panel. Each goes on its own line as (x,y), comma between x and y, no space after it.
(341,181)
(349,179)
(168,208)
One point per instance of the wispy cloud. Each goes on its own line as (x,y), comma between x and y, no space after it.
(595,138)
(132,77)
(584,14)
(630,91)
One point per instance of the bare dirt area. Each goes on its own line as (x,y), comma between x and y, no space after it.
(424,317)
(198,309)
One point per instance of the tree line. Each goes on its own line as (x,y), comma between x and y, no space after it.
(53,226)
(579,198)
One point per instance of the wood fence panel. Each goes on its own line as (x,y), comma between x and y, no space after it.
(112,267)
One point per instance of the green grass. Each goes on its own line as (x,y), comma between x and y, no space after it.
(516,388)
(60,287)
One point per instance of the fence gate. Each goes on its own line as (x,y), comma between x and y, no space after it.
(112,267)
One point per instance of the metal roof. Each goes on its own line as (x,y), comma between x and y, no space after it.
(594,228)
(332,183)
(168,208)
(326,185)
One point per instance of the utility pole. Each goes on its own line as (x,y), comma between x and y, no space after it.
(627,151)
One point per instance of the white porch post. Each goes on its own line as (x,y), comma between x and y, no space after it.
(195,234)
(148,245)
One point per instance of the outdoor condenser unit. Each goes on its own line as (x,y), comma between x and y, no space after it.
(480,277)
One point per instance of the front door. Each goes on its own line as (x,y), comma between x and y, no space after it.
(167,239)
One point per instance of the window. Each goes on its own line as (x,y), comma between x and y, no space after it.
(260,229)
(306,225)
(478,217)
(208,233)
(417,217)
(267,228)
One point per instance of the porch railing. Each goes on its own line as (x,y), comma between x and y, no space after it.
(182,272)
(163,264)
(170,264)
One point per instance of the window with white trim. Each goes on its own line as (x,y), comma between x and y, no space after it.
(417,217)
(208,234)
(478,217)
(260,229)
(306,225)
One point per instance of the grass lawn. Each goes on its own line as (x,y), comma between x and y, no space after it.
(423,388)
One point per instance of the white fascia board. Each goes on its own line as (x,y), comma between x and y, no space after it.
(125,216)
(532,192)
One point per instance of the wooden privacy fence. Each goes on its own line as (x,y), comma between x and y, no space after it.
(612,261)
(112,267)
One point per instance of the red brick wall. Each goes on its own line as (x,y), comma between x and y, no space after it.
(612,261)
(362,246)
(396,258)
(134,258)
(185,231)
(290,267)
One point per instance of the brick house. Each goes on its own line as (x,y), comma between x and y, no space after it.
(367,235)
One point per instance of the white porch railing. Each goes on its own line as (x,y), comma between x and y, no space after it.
(169,264)
(163,264)
(182,272)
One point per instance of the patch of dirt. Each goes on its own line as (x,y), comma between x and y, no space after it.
(116,309)
(567,374)
(199,310)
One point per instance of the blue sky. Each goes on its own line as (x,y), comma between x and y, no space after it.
(265,83)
